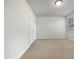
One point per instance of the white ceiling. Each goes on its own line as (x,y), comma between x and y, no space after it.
(45,8)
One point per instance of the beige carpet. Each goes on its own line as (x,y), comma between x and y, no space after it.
(50,49)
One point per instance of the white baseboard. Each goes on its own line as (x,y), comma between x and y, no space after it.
(71,39)
(52,39)
(26,49)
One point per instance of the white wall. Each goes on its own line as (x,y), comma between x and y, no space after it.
(68,34)
(19,34)
(51,28)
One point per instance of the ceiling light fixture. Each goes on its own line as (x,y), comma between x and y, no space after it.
(58,2)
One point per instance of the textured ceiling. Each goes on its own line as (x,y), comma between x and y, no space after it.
(48,8)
